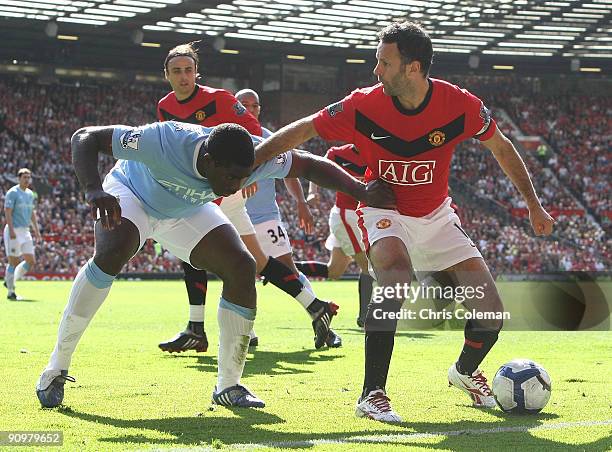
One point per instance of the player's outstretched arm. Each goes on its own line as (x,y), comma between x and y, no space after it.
(328,174)
(86,144)
(289,137)
(512,164)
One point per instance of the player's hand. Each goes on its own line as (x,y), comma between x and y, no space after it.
(12,234)
(249,190)
(379,194)
(313,199)
(541,221)
(107,205)
(305,218)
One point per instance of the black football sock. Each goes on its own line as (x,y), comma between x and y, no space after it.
(282,277)
(312,268)
(196,327)
(478,342)
(379,341)
(196,282)
(365,293)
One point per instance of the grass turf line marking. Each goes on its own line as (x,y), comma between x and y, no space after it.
(408,436)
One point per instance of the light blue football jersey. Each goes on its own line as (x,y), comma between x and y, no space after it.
(262,205)
(157,162)
(22,202)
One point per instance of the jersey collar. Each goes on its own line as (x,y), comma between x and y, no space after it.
(406,111)
(191,96)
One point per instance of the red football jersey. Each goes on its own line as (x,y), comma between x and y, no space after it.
(351,161)
(207,107)
(410,149)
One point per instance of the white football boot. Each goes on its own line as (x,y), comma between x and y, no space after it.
(376,406)
(474,385)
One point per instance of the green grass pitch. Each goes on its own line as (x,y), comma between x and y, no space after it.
(130,395)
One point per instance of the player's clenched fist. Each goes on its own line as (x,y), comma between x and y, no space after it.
(541,221)
(107,205)
(379,194)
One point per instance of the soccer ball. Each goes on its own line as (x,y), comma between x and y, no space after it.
(521,386)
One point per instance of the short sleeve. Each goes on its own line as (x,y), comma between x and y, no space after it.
(479,121)
(160,115)
(234,111)
(276,168)
(336,122)
(142,143)
(10,199)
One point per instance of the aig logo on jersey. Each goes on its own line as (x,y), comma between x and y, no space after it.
(437,138)
(130,139)
(401,172)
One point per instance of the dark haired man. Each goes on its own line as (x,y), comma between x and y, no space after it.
(196,104)
(161,188)
(407,127)
(20,213)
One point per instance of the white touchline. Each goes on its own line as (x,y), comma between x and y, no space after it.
(398,438)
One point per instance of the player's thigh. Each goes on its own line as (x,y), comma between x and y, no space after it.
(362,261)
(343,225)
(252,244)
(113,248)
(338,262)
(475,285)
(26,243)
(387,243)
(223,252)
(12,247)
(273,238)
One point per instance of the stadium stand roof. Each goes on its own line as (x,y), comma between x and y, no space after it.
(558,29)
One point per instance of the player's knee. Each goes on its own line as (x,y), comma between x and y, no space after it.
(110,261)
(241,269)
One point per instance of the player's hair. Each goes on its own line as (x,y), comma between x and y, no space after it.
(413,43)
(247,92)
(188,50)
(230,144)
(23,171)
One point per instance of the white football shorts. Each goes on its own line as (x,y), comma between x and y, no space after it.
(273,238)
(434,242)
(344,232)
(21,244)
(234,208)
(177,235)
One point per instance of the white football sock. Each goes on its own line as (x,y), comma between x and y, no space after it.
(9,278)
(196,313)
(21,270)
(89,290)
(235,322)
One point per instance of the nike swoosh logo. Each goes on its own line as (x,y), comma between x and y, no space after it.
(346,164)
(375,137)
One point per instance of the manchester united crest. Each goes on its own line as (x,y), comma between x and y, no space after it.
(437,138)
(200,115)
(383,224)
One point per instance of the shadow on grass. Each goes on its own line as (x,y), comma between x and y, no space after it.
(271,363)
(243,426)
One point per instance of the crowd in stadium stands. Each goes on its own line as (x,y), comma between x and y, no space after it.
(36,122)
